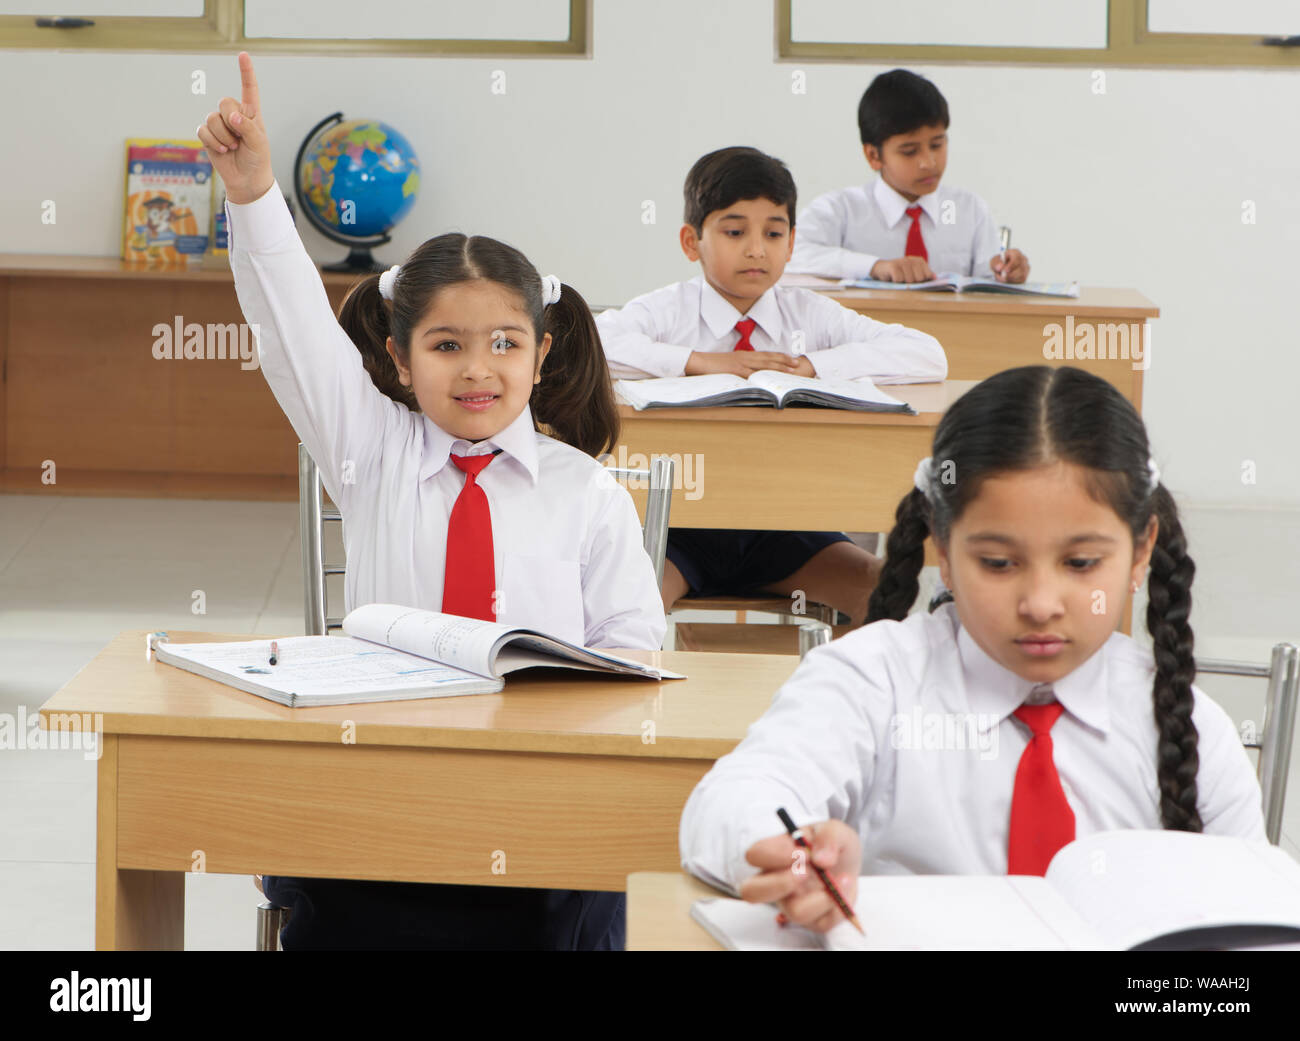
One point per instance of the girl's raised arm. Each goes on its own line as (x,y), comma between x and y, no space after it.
(312,366)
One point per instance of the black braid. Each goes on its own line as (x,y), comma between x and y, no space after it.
(1170,604)
(896,591)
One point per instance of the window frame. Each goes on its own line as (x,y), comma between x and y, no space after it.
(221,28)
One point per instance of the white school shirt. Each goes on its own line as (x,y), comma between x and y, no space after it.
(654,334)
(843,233)
(565,536)
(904,731)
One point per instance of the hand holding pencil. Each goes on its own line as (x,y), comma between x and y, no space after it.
(788,875)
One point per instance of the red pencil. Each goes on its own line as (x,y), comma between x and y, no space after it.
(840,902)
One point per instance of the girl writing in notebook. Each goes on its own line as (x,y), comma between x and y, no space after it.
(463,507)
(983,737)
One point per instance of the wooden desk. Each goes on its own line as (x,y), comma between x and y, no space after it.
(81,386)
(553,775)
(659,912)
(788,469)
(984,333)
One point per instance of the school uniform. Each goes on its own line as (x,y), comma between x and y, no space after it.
(904,730)
(566,541)
(654,335)
(843,233)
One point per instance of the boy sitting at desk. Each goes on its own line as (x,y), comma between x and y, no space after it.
(739,226)
(904,226)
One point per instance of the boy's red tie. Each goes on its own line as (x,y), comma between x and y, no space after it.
(470,574)
(1041,819)
(915,244)
(745,326)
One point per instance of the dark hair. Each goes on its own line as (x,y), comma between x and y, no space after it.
(899,102)
(1029,417)
(574,400)
(727,176)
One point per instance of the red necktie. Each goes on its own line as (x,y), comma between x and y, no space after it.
(915,244)
(745,326)
(470,575)
(1041,820)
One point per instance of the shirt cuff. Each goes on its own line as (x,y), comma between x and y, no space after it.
(260,224)
(861,266)
(674,358)
(826,365)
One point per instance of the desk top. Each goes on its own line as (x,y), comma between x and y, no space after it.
(214,268)
(541,710)
(1092,300)
(930,400)
(659,912)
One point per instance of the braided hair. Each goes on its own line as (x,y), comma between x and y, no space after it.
(1031,416)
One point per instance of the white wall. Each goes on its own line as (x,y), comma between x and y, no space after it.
(1142,186)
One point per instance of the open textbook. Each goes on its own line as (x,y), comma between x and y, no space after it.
(1115,890)
(951,283)
(391,653)
(765,387)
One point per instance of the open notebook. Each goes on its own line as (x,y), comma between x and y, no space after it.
(952,283)
(1116,890)
(765,387)
(391,653)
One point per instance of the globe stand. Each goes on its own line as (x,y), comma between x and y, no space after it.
(359,259)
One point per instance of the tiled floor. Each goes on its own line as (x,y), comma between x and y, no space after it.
(76,571)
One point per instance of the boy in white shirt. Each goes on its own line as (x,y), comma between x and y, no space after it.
(905,226)
(739,226)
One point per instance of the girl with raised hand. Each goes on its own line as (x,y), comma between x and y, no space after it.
(463,506)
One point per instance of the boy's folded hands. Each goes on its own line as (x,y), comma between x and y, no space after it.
(902,269)
(743,363)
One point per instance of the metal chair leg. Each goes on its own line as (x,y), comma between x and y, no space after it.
(270,920)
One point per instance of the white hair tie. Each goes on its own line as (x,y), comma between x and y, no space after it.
(550,290)
(924,478)
(1154,472)
(386,281)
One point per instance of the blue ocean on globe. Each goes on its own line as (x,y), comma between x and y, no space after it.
(360,177)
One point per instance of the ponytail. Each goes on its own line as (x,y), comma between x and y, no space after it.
(574,400)
(365,317)
(1168,609)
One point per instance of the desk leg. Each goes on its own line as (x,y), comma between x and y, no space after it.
(134,910)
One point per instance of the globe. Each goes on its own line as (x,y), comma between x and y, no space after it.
(354,180)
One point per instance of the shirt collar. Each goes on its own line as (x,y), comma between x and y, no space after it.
(518,441)
(893,206)
(994,691)
(721,316)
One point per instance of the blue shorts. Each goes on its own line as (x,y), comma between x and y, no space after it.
(342,914)
(718,562)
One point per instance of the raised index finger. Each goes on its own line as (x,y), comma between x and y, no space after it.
(250,101)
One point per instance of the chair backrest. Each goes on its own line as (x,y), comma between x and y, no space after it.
(1277,734)
(659,500)
(312,516)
